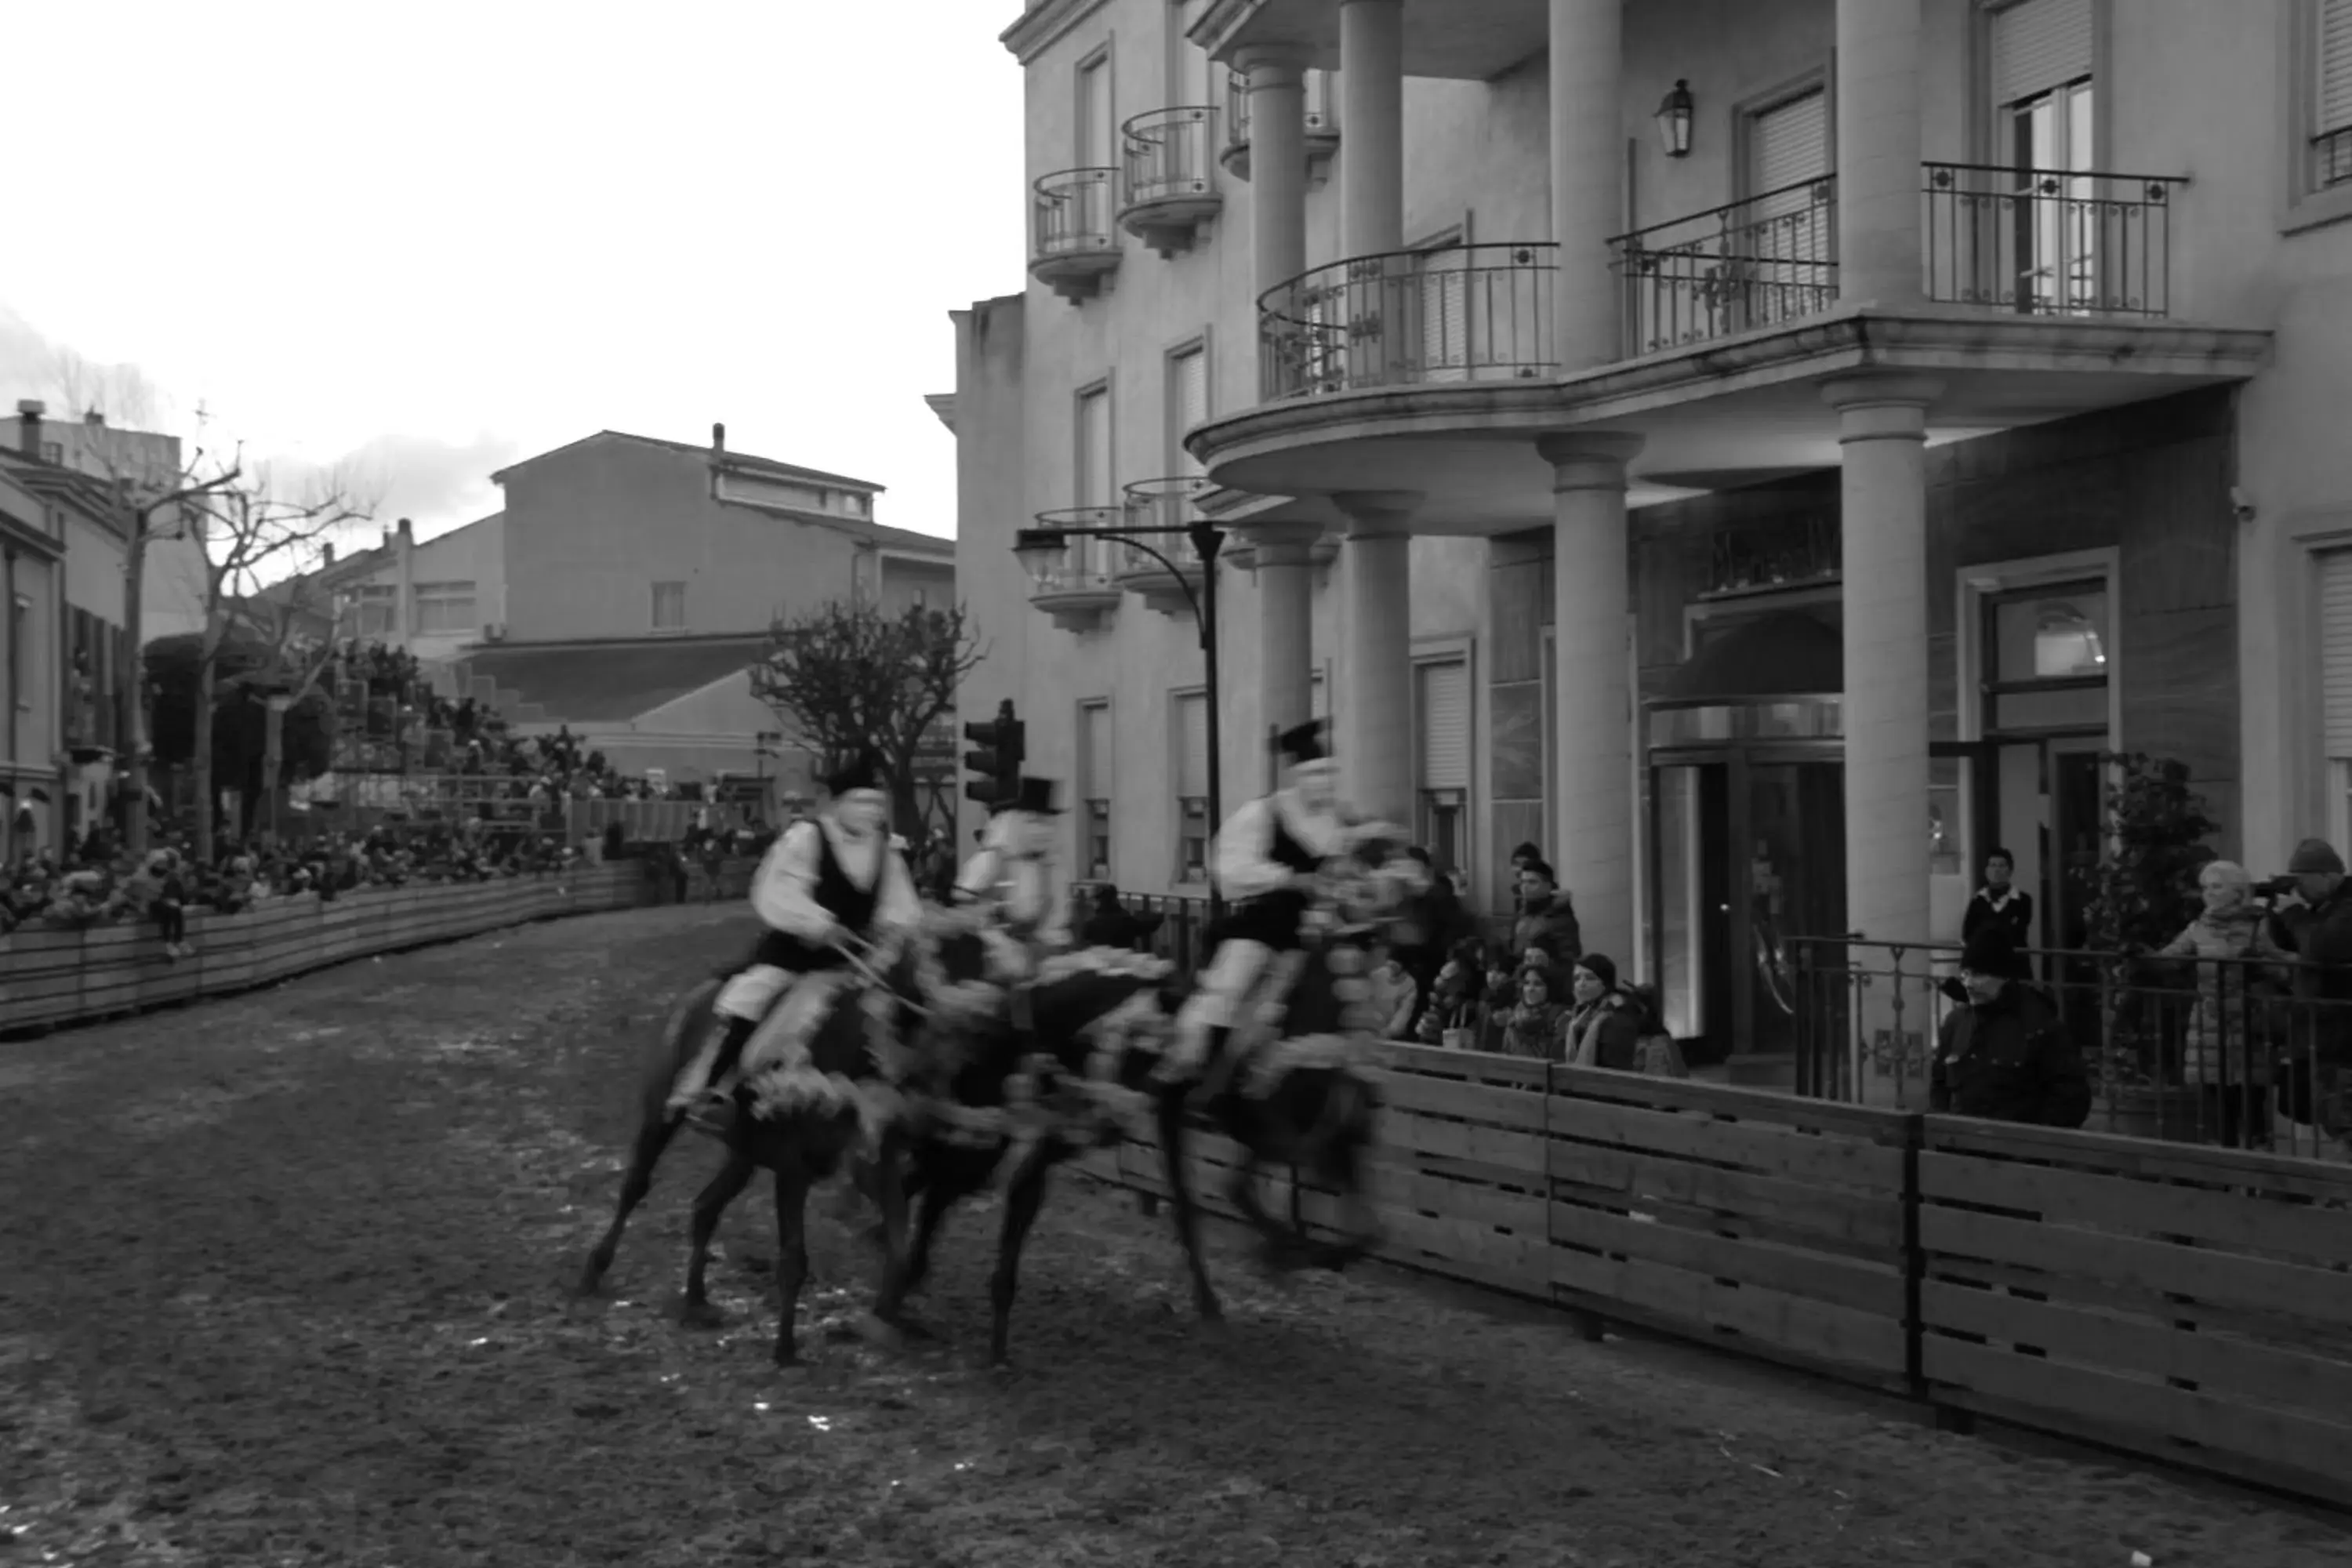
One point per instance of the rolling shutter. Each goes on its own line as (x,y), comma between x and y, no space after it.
(2037,45)
(1192,741)
(1445,351)
(1192,401)
(1444,700)
(1095,750)
(2335,650)
(2334,102)
(1790,143)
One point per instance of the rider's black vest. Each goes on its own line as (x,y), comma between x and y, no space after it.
(839,897)
(1273,919)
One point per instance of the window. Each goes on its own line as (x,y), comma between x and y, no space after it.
(1442,272)
(2043,104)
(1097,132)
(2331,121)
(922,598)
(1188,65)
(2046,659)
(374,610)
(1442,757)
(669,606)
(1092,472)
(2336,679)
(1094,782)
(20,649)
(445,608)
(1188,403)
(1192,824)
(1784,249)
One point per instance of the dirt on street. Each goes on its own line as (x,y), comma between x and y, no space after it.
(283,1280)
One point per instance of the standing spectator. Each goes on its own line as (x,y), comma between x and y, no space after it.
(1525,855)
(1443,923)
(2219,1058)
(2320,934)
(1999,901)
(1109,924)
(2006,1056)
(1547,923)
(1395,996)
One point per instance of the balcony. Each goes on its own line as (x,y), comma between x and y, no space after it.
(1170,188)
(1467,314)
(1763,262)
(1073,245)
(2050,242)
(1322,127)
(1079,591)
(1163,503)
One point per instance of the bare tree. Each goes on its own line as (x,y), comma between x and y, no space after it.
(848,677)
(253,534)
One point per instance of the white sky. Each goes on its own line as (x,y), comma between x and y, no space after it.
(447,234)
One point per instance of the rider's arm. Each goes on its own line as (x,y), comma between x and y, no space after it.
(784,891)
(1238,858)
(979,875)
(898,906)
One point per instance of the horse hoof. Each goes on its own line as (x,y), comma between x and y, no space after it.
(700,1315)
(590,1283)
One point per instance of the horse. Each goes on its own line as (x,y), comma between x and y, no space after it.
(1288,1091)
(1016,1091)
(856,1057)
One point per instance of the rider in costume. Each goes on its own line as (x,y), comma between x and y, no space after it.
(1012,878)
(1265,858)
(831,876)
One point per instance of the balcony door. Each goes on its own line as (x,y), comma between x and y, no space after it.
(2044,122)
(1780,252)
(1095,486)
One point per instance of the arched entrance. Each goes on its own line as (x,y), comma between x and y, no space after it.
(1747,774)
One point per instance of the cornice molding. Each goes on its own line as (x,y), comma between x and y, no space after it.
(1042,25)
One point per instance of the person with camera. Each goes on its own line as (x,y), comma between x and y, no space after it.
(2317,928)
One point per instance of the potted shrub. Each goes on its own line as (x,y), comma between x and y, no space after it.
(2145,891)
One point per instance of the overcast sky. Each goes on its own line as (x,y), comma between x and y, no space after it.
(445,235)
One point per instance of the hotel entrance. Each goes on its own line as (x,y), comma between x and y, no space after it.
(1747,836)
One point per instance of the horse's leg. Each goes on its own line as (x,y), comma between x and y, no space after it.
(1342,1166)
(1171,1119)
(654,1133)
(1023,1196)
(889,1192)
(695,1310)
(792,1254)
(931,1206)
(1282,1247)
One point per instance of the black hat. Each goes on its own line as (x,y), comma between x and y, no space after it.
(1992,950)
(1303,743)
(1037,795)
(863,771)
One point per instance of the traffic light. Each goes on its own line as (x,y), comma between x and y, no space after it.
(997,761)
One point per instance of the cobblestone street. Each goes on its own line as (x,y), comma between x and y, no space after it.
(284,1284)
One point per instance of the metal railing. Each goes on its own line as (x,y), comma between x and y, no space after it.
(1176,923)
(2185,1050)
(1761,262)
(1320,119)
(1405,318)
(1170,503)
(1169,154)
(1074,212)
(2050,242)
(2331,158)
(1085,564)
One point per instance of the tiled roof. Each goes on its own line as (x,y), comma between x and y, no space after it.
(739,459)
(608,682)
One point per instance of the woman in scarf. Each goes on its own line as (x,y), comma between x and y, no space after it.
(1606,1029)
(2219,1057)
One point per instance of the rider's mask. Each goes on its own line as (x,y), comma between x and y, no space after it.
(1032,835)
(861,810)
(1318,784)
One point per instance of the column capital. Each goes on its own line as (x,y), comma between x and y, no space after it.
(1589,459)
(1852,392)
(1281,544)
(1272,65)
(1378,514)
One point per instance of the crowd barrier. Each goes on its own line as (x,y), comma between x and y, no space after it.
(52,977)
(2190,1304)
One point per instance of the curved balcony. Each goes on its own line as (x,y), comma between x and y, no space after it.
(1073,242)
(1410,318)
(1170,188)
(1079,591)
(1322,127)
(1163,503)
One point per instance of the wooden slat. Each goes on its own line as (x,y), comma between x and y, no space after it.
(1775,1150)
(1679,1299)
(1795,1271)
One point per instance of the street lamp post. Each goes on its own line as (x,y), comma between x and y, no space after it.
(1040,549)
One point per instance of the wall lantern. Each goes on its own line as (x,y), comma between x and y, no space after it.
(1675,120)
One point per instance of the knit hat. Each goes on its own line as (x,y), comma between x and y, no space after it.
(2314,855)
(1599,968)
(1993,951)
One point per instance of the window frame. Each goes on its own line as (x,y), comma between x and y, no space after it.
(652,616)
(440,596)
(1171,401)
(1086,826)
(1181,807)
(2304,205)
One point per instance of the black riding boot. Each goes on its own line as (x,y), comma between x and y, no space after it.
(720,1049)
(1216,1072)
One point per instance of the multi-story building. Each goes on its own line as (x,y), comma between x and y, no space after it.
(174,577)
(1761,453)
(626,586)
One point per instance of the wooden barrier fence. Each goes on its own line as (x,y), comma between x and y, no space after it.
(52,977)
(2191,1304)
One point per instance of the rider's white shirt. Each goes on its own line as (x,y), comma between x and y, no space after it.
(1022,887)
(784,891)
(1240,857)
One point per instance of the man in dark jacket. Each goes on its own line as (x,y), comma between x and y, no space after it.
(1546,921)
(2006,1057)
(2319,932)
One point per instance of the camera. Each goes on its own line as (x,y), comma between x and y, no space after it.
(2272,887)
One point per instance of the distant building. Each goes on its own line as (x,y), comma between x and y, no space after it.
(173,601)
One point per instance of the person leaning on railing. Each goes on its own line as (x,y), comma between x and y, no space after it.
(2318,931)
(2007,1055)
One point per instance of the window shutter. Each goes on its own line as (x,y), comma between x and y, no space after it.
(2037,45)
(1444,352)
(1096,752)
(1191,405)
(2335,53)
(1790,143)
(1192,741)
(2335,650)
(1444,703)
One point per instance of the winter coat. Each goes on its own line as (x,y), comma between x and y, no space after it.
(2009,1059)
(1607,1033)
(2223,1043)
(1548,925)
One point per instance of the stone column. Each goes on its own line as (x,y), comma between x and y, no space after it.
(1371,114)
(1882,524)
(1879,178)
(1588,181)
(1286,640)
(1277,127)
(1375,719)
(1595,835)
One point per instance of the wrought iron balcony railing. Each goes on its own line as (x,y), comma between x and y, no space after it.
(1086,565)
(1170,153)
(2050,242)
(1073,238)
(1761,262)
(1322,123)
(1170,503)
(1406,318)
